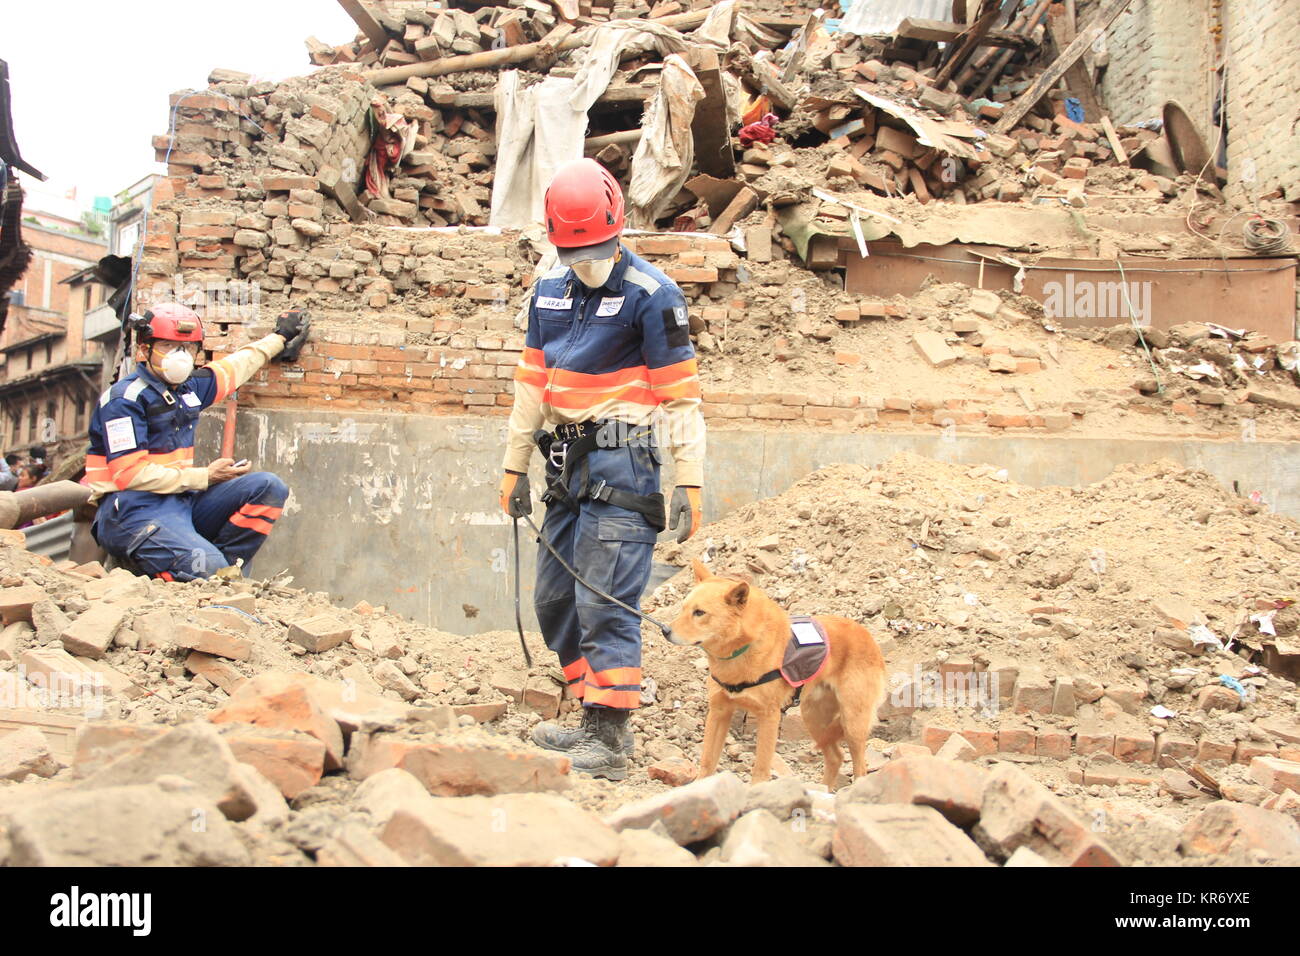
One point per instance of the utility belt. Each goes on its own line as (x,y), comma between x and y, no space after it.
(567,448)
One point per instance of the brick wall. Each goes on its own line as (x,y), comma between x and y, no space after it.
(1160,50)
(1263,55)
(1166,50)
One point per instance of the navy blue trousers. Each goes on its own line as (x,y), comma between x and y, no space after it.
(599,643)
(192,535)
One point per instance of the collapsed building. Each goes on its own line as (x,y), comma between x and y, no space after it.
(1015,238)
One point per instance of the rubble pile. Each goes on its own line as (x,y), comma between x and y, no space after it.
(347,736)
(1084,608)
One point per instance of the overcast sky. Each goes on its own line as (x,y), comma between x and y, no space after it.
(90,78)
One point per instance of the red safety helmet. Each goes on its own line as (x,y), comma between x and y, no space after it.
(584,211)
(169,322)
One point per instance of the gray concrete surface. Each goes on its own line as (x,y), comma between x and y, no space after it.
(401,509)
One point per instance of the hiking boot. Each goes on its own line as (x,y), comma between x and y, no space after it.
(600,752)
(554,737)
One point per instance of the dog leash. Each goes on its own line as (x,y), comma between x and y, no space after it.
(667,631)
(519,624)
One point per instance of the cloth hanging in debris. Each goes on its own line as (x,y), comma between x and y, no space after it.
(543,126)
(664,155)
(394,139)
(764,131)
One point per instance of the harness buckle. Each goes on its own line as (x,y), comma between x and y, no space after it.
(595,493)
(558,452)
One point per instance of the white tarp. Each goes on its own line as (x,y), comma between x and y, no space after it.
(542,127)
(664,155)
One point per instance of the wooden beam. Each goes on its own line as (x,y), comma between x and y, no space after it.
(744,202)
(1113,138)
(915,28)
(1077,80)
(709,128)
(366,22)
(1049,77)
(989,13)
(1036,13)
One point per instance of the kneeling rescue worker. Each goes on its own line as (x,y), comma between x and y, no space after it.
(607,353)
(172,520)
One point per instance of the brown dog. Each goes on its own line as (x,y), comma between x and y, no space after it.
(745,634)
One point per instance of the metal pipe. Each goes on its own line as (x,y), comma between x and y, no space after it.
(19,507)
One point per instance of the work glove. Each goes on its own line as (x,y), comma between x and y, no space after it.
(685,509)
(516,499)
(293,326)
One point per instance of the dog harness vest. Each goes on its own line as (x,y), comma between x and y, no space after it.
(805,655)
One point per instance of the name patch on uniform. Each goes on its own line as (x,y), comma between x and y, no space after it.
(120,433)
(550,302)
(190,399)
(677,327)
(610,306)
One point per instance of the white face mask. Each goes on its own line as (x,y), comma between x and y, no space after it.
(594,272)
(176,366)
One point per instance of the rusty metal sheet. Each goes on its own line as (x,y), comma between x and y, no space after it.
(1255,294)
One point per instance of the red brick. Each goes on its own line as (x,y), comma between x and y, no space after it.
(954,789)
(1225,826)
(1016,740)
(1016,811)
(692,273)
(277,701)
(291,760)
(1209,750)
(1248,750)
(1135,747)
(1275,774)
(1054,743)
(1094,742)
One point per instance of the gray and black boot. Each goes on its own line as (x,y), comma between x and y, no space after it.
(600,752)
(554,737)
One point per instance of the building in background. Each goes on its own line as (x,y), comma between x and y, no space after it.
(50,374)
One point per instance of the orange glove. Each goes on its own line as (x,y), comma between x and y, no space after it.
(516,499)
(687,509)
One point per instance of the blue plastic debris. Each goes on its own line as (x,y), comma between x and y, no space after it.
(1074,109)
(1232,683)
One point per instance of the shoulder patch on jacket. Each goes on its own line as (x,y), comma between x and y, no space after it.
(132,391)
(677,328)
(637,277)
(557,272)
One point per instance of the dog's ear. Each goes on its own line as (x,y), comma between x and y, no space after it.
(738,596)
(701,572)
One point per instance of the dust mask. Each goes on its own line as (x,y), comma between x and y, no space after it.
(176,366)
(594,272)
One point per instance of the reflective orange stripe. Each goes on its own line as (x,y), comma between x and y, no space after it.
(575,670)
(254,524)
(225,379)
(534,357)
(673,373)
(264,511)
(622,699)
(615,675)
(182,456)
(530,376)
(687,389)
(570,379)
(126,467)
(97,468)
(166,575)
(586,398)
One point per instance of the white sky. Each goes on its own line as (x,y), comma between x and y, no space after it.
(90,78)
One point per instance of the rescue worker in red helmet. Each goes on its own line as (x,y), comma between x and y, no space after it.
(156,510)
(607,356)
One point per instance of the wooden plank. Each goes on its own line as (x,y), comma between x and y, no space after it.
(915,28)
(710,129)
(1049,77)
(365,22)
(1077,80)
(1113,139)
(745,202)
(989,13)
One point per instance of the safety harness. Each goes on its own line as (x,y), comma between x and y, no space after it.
(569,446)
(806,654)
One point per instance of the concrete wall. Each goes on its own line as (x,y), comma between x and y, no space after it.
(402,510)
(1159,50)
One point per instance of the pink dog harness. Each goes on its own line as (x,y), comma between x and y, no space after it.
(806,654)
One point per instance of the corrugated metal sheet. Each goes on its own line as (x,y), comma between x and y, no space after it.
(51,538)
(882,17)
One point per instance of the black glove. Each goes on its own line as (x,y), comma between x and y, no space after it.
(294,326)
(516,497)
(685,509)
